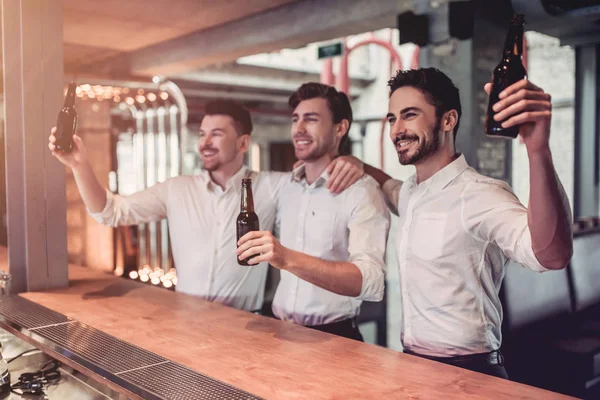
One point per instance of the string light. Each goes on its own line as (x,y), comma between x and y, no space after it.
(118,94)
(156,276)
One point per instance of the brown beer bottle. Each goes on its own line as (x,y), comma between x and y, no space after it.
(509,71)
(67,121)
(247,220)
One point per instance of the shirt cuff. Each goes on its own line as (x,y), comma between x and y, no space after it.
(528,255)
(373,278)
(104,215)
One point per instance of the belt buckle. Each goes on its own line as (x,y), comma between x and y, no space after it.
(496,358)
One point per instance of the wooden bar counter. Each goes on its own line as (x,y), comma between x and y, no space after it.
(263,356)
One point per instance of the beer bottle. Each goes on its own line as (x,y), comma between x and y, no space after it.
(67,121)
(247,220)
(509,71)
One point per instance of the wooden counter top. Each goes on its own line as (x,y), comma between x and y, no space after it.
(266,357)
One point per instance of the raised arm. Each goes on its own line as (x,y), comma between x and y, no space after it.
(104,207)
(92,193)
(549,214)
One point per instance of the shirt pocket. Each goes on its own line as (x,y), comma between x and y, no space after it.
(320,238)
(428,235)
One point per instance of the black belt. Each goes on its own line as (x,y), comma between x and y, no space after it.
(492,358)
(349,323)
(347,328)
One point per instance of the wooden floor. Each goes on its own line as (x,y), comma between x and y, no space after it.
(269,358)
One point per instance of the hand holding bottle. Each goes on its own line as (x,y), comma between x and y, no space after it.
(527,108)
(74,159)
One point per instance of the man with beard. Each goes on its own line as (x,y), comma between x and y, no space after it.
(457,228)
(201,210)
(332,248)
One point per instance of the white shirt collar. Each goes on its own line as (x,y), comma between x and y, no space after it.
(443,177)
(299,175)
(233,182)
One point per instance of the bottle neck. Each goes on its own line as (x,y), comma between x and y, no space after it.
(513,46)
(247,202)
(70,96)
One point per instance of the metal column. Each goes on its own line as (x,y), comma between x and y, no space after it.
(586,196)
(32,43)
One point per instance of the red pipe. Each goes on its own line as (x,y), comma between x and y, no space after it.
(343,81)
(327,72)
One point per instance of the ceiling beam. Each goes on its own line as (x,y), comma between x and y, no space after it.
(289,26)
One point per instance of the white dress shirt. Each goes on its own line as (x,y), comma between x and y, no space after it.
(351,226)
(202,227)
(456,232)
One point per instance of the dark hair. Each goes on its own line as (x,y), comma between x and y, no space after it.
(439,90)
(338,103)
(240,116)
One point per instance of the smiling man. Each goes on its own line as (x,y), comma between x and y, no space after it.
(457,228)
(201,210)
(332,248)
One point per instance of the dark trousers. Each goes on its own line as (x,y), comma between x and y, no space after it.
(347,328)
(486,363)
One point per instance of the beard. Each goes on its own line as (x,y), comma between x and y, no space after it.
(210,163)
(425,148)
(224,156)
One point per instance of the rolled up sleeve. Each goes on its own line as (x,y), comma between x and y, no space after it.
(494,214)
(368,231)
(145,206)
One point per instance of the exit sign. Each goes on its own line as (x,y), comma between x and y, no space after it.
(331,50)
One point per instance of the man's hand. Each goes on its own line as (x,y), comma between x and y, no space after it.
(344,171)
(526,104)
(75,158)
(260,246)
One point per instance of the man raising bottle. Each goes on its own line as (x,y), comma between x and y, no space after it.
(201,210)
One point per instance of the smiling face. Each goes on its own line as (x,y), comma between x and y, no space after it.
(414,126)
(313,132)
(219,143)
